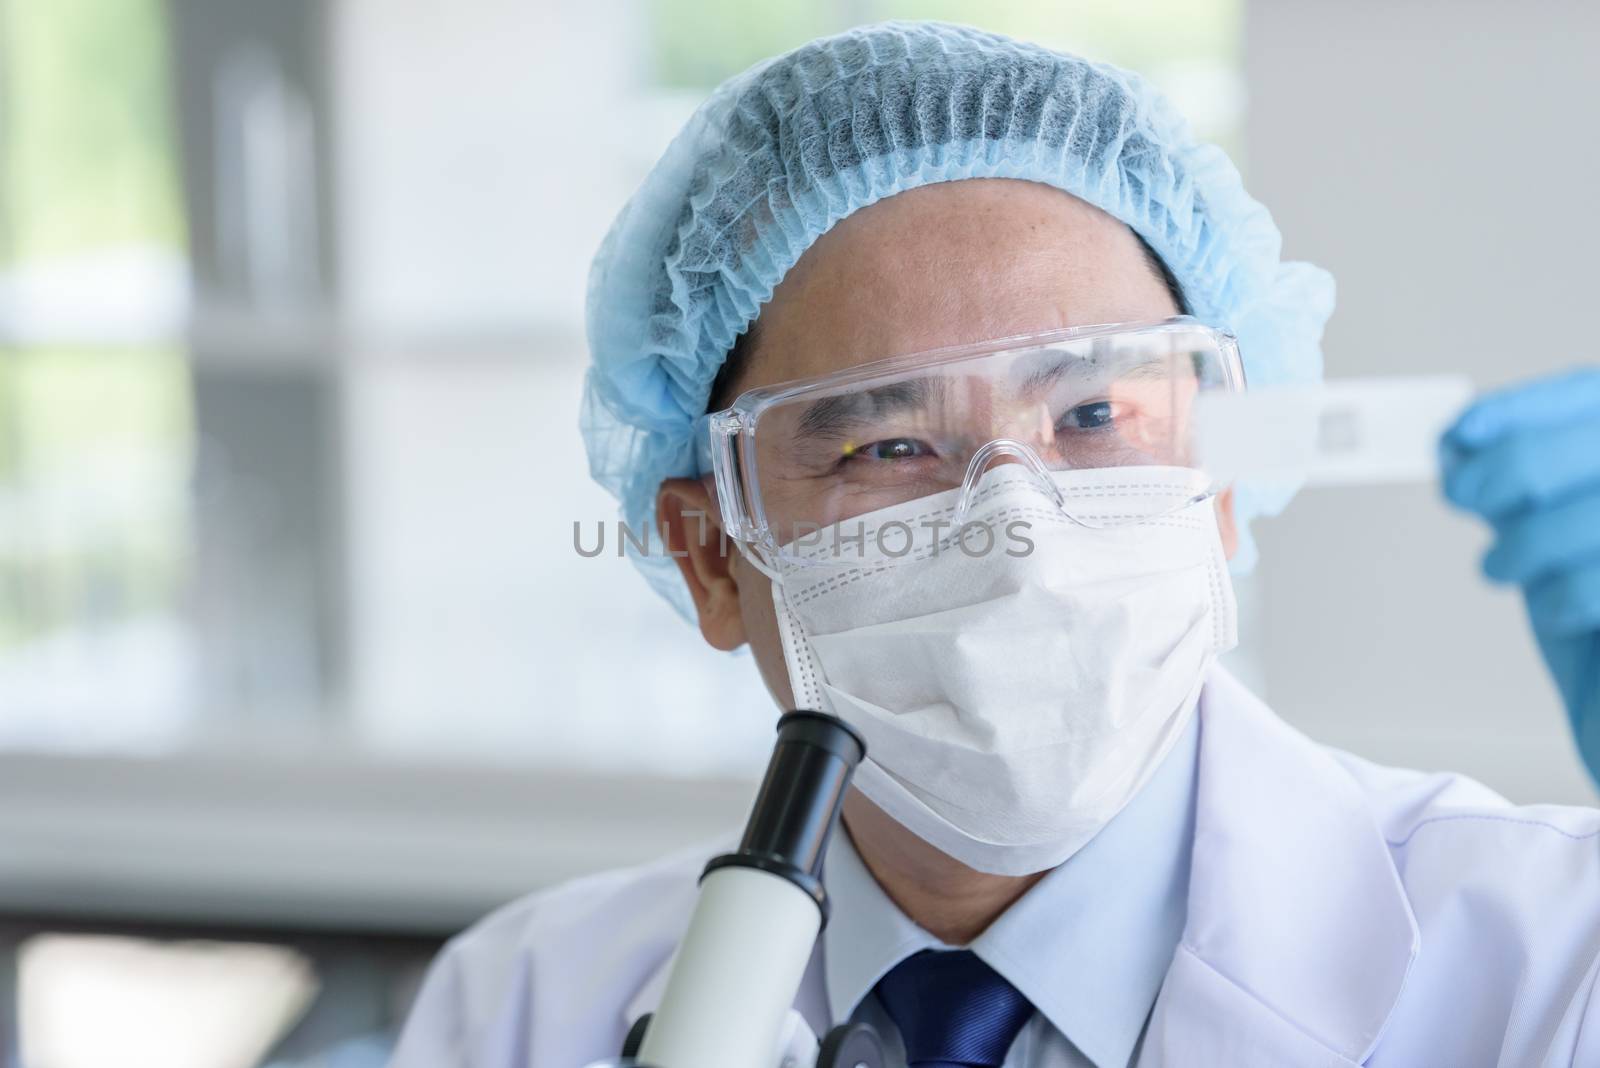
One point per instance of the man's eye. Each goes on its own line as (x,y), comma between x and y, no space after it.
(890,449)
(1096,415)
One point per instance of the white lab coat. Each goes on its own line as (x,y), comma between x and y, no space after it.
(1340,913)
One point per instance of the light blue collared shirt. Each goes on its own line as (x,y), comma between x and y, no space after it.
(1088,945)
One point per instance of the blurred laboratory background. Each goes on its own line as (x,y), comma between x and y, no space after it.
(299,670)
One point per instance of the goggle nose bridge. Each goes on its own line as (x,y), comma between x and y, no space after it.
(1001,449)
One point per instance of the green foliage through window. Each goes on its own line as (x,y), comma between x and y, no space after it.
(87,149)
(94,439)
(698,43)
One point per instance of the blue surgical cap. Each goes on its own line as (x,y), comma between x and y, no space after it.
(780,153)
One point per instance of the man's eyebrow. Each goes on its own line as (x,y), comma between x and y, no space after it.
(1042,378)
(1099,368)
(831,415)
(1054,365)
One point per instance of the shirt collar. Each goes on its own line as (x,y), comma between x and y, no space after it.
(1088,945)
(867,934)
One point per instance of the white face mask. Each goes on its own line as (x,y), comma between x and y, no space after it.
(1014,701)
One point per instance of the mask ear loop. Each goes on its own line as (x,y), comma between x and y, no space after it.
(805,671)
(1001,448)
(756,561)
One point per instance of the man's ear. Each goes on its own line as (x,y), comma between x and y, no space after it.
(1227,523)
(693,534)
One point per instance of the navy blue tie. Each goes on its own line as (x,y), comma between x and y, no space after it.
(953,1010)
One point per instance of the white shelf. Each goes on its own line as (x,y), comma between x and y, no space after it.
(347,844)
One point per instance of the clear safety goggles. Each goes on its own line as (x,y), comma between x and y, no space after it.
(796,463)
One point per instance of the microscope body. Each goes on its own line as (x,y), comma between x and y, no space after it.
(739,965)
(729,996)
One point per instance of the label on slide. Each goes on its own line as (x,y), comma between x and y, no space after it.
(1353,431)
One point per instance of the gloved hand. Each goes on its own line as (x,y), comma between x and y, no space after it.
(1527,459)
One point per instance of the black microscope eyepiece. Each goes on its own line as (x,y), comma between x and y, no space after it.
(798,803)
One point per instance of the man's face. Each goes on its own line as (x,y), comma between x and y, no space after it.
(946,264)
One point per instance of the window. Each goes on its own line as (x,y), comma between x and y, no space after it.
(288,448)
(1192,50)
(95,421)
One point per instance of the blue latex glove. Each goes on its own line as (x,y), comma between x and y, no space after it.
(1527,459)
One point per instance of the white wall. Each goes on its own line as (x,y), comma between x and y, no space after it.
(477,169)
(1441,160)
(483,150)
